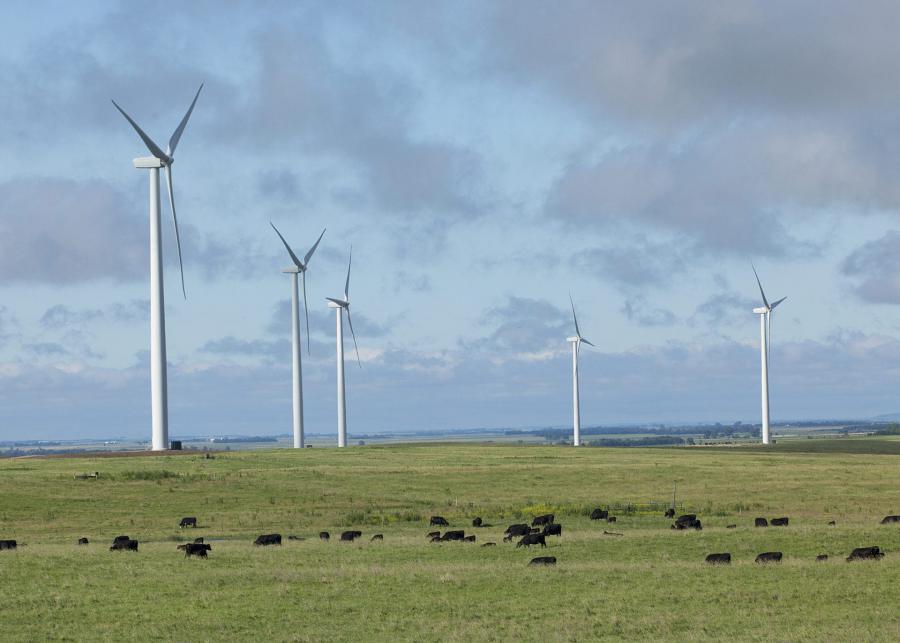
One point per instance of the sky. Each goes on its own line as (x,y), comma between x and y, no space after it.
(484,160)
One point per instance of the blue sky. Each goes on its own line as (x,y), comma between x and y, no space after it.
(483,159)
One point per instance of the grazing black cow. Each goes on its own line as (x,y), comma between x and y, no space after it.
(457,534)
(433,534)
(610,519)
(124,545)
(268,539)
(438,521)
(599,514)
(686,518)
(865,553)
(760,522)
(190,521)
(324,535)
(543,560)
(435,539)
(469,539)
(779,522)
(8,544)
(532,539)
(890,519)
(517,530)
(546,519)
(195,549)
(831,523)
(610,533)
(670,513)
(476,521)
(553,530)
(82,541)
(730,526)
(688,524)
(489,545)
(377,537)
(121,539)
(769,557)
(719,559)
(821,558)
(350,536)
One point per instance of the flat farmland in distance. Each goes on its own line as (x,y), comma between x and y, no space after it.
(648,583)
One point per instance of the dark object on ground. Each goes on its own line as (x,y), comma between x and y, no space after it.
(456,534)
(293,537)
(433,534)
(324,535)
(87,476)
(821,558)
(692,524)
(553,530)
(377,537)
(124,545)
(489,545)
(890,519)
(199,540)
(719,559)
(439,521)
(209,456)
(686,518)
(175,445)
(476,521)
(760,522)
(670,513)
(611,519)
(435,539)
(865,553)
(779,522)
(82,541)
(543,560)
(190,521)
(517,530)
(195,549)
(546,519)
(610,533)
(831,523)
(268,539)
(469,539)
(769,557)
(599,514)
(532,539)
(350,536)
(8,544)
(730,526)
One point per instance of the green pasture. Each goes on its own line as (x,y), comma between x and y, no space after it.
(648,583)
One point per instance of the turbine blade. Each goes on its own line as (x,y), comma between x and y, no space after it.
(347,284)
(575,317)
(339,302)
(175,220)
(586,341)
(312,250)
(306,310)
(772,307)
(153,147)
(176,136)
(353,335)
(290,252)
(758,283)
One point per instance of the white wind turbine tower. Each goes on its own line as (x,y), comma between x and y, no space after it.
(765,328)
(299,267)
(159,405)
(576,409)
(340,305)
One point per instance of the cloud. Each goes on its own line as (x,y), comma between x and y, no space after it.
(521,327)
(874,269)
(638,310)
(633,261)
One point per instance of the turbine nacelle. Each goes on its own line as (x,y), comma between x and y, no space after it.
(762,310)
(147,162)
(573,339)
(292,270)
(337,303)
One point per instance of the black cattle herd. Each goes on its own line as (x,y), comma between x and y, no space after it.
(534,534)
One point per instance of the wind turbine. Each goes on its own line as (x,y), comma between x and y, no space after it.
(765,328)
(299,267)
(159,405)
(340,305)
(576,410)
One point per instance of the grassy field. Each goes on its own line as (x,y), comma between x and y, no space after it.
(649,583)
